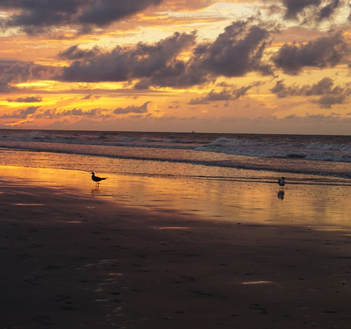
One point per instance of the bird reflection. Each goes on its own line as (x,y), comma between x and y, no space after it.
(96,190)
(281,194)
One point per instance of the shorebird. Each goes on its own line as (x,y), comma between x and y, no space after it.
(96,178)
(281,181)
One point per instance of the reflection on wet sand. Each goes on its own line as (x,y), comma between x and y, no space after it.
(172,228)
(225,200)
(95,191)
(248,283)
(28,204)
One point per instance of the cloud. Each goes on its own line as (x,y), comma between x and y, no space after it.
(281,90)
(75,112)
(237,93)
(322,52)
(132,109)
(293,7)
(319,9)
(75,53)
(325,88)
(96,113)
(329,9)
(212,96)
(224,95)
(125,63)
(18,71)
(30,99)
(34,16)
(21,114)
(328,101)
(235,52)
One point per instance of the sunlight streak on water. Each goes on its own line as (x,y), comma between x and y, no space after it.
(221,200)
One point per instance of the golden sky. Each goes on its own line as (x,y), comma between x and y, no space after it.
(269,66)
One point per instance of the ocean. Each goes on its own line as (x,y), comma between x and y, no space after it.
(209,154)
(217,176)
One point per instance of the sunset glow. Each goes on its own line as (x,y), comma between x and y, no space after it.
(275,66)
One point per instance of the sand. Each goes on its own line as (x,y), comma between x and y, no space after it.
(71,261)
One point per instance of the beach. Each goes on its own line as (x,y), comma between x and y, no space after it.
(82,260)
(175,164)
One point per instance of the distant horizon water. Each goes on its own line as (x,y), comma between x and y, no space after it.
(197,131)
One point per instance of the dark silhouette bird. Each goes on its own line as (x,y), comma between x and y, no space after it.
(281,181)
(96,178)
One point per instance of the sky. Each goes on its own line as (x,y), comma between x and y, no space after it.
(234,66)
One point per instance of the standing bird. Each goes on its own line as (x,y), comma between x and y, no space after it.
(281,181)
(96,178)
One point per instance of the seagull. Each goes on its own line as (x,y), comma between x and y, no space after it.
(96,178)
(281,181)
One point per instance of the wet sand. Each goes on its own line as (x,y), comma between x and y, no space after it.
(71,261)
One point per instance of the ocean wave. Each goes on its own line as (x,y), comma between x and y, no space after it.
(102,139)
(281,149)
(257,146)
(291,164)
(322,155)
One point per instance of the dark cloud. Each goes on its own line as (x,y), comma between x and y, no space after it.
(176,74)
(93,113)
(281,90)
(294,7)
(30,99)
(132,109)
(328,101)
(21,114)
(237,93)
(212,96)
(104,12)
(125,63)
(36,15)
(322,52)
(75,53)
(329,9)
(325,88)
(237,51)
(18,71)
(318,9)
(224,95)
(4,87)
(75,112)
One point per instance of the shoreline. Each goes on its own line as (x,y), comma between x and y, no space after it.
(71,261)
